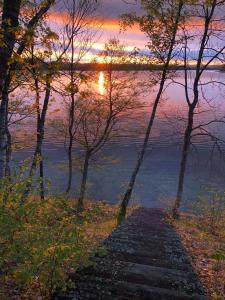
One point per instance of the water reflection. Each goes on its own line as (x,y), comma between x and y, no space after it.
(101,83)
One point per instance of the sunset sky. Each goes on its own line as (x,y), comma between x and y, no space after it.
(111,11)
(108,14)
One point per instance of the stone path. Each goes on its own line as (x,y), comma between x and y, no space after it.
(145,260)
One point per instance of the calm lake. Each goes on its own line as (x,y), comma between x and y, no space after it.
(158,177)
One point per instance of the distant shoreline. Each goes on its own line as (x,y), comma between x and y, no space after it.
(130,67)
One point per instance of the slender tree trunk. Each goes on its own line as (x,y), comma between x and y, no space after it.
(70,149)
(41,162)
(38,115)
(41,130)
(7,181)
(183,163)
(38,150)
(192,106)
(71,113)
(3,131)
(41,175)
(128,194)
(70,169)
(70,166)
(8,154)
(80,204)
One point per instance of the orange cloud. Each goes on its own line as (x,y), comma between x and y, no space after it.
(57,17)
(198,23)
(107,24)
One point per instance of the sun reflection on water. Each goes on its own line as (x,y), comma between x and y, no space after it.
(101,83)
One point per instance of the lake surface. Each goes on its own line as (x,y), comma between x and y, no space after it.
(158,176)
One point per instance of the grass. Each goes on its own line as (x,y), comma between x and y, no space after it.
(205,243)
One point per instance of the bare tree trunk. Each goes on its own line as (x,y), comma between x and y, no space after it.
(40,138)
(209,12)
(183,163)
(71,113)
(7,181)
(71,138)
(10,21)
(41,163)
(3,130)
(127,196)
(41,129)
(38,115)
(80,204)
(41,175)
(70,168)
(8,154)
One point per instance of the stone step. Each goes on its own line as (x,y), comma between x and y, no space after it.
(144,274)
(103,289)
(154,237)
(154,233)
(161,244)
(147,260)
(172,255)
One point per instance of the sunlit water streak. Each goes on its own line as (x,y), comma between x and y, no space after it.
(101,83)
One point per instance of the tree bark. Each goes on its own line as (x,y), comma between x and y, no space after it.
(70,148)
(128,194)
(183,163)
(72,110)
(192,105)
(38,111)
(40,138)
(41,175)
(10,21)
(8,154)
(3,128)
(80,204)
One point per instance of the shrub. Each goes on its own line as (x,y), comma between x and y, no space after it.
(42,241)
(211,211)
